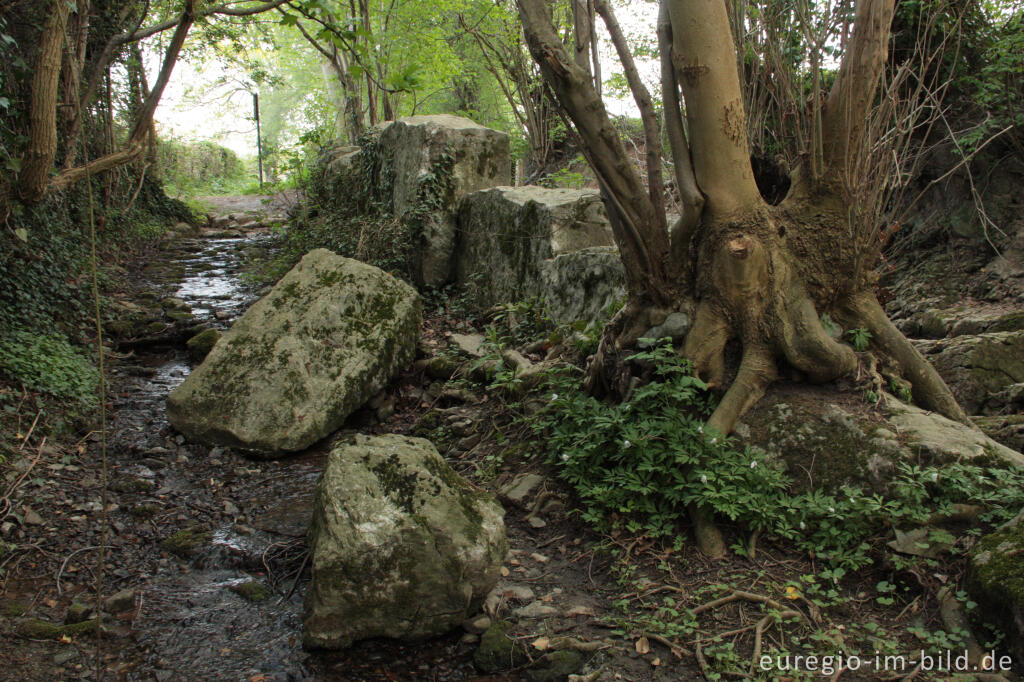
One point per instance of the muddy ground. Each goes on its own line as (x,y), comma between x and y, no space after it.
(206,546)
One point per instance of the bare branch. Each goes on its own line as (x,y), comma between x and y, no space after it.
(686,183)
(652,131)
(136,141)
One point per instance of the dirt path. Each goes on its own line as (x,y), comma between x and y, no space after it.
(273,207)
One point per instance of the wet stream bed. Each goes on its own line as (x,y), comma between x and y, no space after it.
(218,553)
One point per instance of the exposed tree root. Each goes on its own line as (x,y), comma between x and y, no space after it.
(928,388)
(756,373)
(705,344)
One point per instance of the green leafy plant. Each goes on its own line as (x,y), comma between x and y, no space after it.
(859,338)
(636,466)
(49,364)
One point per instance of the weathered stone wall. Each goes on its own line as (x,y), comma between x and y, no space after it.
(430,163)
(509,236)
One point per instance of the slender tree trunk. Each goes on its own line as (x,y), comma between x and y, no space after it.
(137,137)
(42,144)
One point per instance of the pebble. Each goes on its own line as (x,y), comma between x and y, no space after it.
(32,518)
(64,656)
(120,602)
(521,487)
(539,558)
(535,609)
(477,625)
(537,522)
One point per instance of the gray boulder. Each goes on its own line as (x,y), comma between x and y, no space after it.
(328,337)
(825,443)
(507,234)
(995,579)
(416,155)
(584,284)
(402,547)
(978,367)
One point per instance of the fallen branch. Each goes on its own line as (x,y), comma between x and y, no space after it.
(5,501)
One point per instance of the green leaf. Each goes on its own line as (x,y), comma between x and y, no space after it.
(22,234)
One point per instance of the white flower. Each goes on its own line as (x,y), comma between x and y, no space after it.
(554,397)
(703,478)
(832,510)
(700,429)
(935,476)
(753,464)
(714,440)
(626,443)
(565,457)
(803,526)
(852,501)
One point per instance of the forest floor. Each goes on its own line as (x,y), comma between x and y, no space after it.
(205,548)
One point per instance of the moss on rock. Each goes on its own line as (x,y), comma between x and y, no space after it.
(995,579)
(187,540)
(497,651)
(251,590)
(40,629)
(202,343)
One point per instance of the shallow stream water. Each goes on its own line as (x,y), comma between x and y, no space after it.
(190,624)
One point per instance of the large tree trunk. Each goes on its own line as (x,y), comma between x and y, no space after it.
(42,143)
(745,271)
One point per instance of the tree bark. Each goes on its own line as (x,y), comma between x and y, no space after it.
(853,93)
(42,144)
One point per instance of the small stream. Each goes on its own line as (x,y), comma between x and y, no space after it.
(191,624)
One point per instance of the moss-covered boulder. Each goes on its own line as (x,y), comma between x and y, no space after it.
(506,234)
(497,650)
(995,579)
(200,345)
(328,337)
(402,547)
(430,163)
(977,367)
(826,443)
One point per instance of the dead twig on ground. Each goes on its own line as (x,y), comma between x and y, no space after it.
(5,502)
(64,564)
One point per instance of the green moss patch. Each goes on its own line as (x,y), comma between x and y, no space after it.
(187,540)
(40,629)
(251,590)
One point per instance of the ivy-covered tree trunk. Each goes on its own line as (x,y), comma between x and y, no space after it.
(42,143)
(743,270)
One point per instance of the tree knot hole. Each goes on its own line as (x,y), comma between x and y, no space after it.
(739,247)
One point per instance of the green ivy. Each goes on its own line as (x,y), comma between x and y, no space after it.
(48,363)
